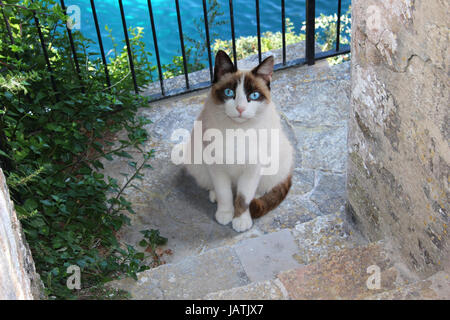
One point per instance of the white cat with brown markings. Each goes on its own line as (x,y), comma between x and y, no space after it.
(241,99)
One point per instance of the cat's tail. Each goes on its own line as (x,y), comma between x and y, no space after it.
(271,199)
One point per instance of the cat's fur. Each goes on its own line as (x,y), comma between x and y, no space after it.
(221,112)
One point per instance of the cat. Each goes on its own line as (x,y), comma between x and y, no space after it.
(241,99)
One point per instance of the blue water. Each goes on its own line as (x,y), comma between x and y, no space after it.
(137,15)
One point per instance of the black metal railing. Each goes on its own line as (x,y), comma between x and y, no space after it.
(310,55)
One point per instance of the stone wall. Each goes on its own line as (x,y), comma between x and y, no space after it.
(18,277)
(399,129)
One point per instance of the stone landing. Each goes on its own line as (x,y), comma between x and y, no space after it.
(313,103)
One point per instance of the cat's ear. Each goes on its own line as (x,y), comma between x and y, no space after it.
(265,69)
(222,65)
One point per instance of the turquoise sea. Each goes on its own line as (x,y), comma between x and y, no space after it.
(164,12)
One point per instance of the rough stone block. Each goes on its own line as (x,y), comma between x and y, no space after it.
(18,277)
(324,235)
(342,275)
(192,278)
(436,287)
(264,257)
(266,290)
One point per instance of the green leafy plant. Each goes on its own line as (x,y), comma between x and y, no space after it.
(176,68)
(57,129)
(119,64)
(325,36)
(326,27)
(152,239)
(246,46)
(151,242)
(198,49)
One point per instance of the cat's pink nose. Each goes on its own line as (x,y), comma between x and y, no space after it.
(240,109)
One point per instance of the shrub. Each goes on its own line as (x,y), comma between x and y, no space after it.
(326,35)
(54,141)
(246,46)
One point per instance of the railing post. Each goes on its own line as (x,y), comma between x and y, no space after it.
(208,44)
(183,53)
(233,36)
(72,46)
(129,53)
(258,31)
(100,44)
(310,31)
(44,50)
(155,43)
(338,26)
(8,28)
(283,29)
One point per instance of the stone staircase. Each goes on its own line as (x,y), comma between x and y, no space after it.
(305,249)
(250,264)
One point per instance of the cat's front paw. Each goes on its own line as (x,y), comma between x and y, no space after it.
(243,222)
(224,217)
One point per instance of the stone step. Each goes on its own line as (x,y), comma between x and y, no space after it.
(250,261)
(341,275)
(436,287)
(262,290)
(344,274)
(317,238)
(192,278)
(254,259)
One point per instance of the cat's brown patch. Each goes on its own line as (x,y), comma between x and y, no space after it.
(265,70)
(222,65)
(270,200)
(230,81)
(240,206)
(254,83)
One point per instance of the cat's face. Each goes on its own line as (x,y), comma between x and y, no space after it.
(241,95)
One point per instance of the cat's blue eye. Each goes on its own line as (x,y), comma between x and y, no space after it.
(254,95)
(229,93)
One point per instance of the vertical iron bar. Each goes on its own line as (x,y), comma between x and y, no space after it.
(100,43)
(310,32)
(208,44)
(127,41)
(44,50)
(72,46)
(283,31)
(180,30)
(8,29)
(258,30)
(338,27)
(155,42)
(233,37)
